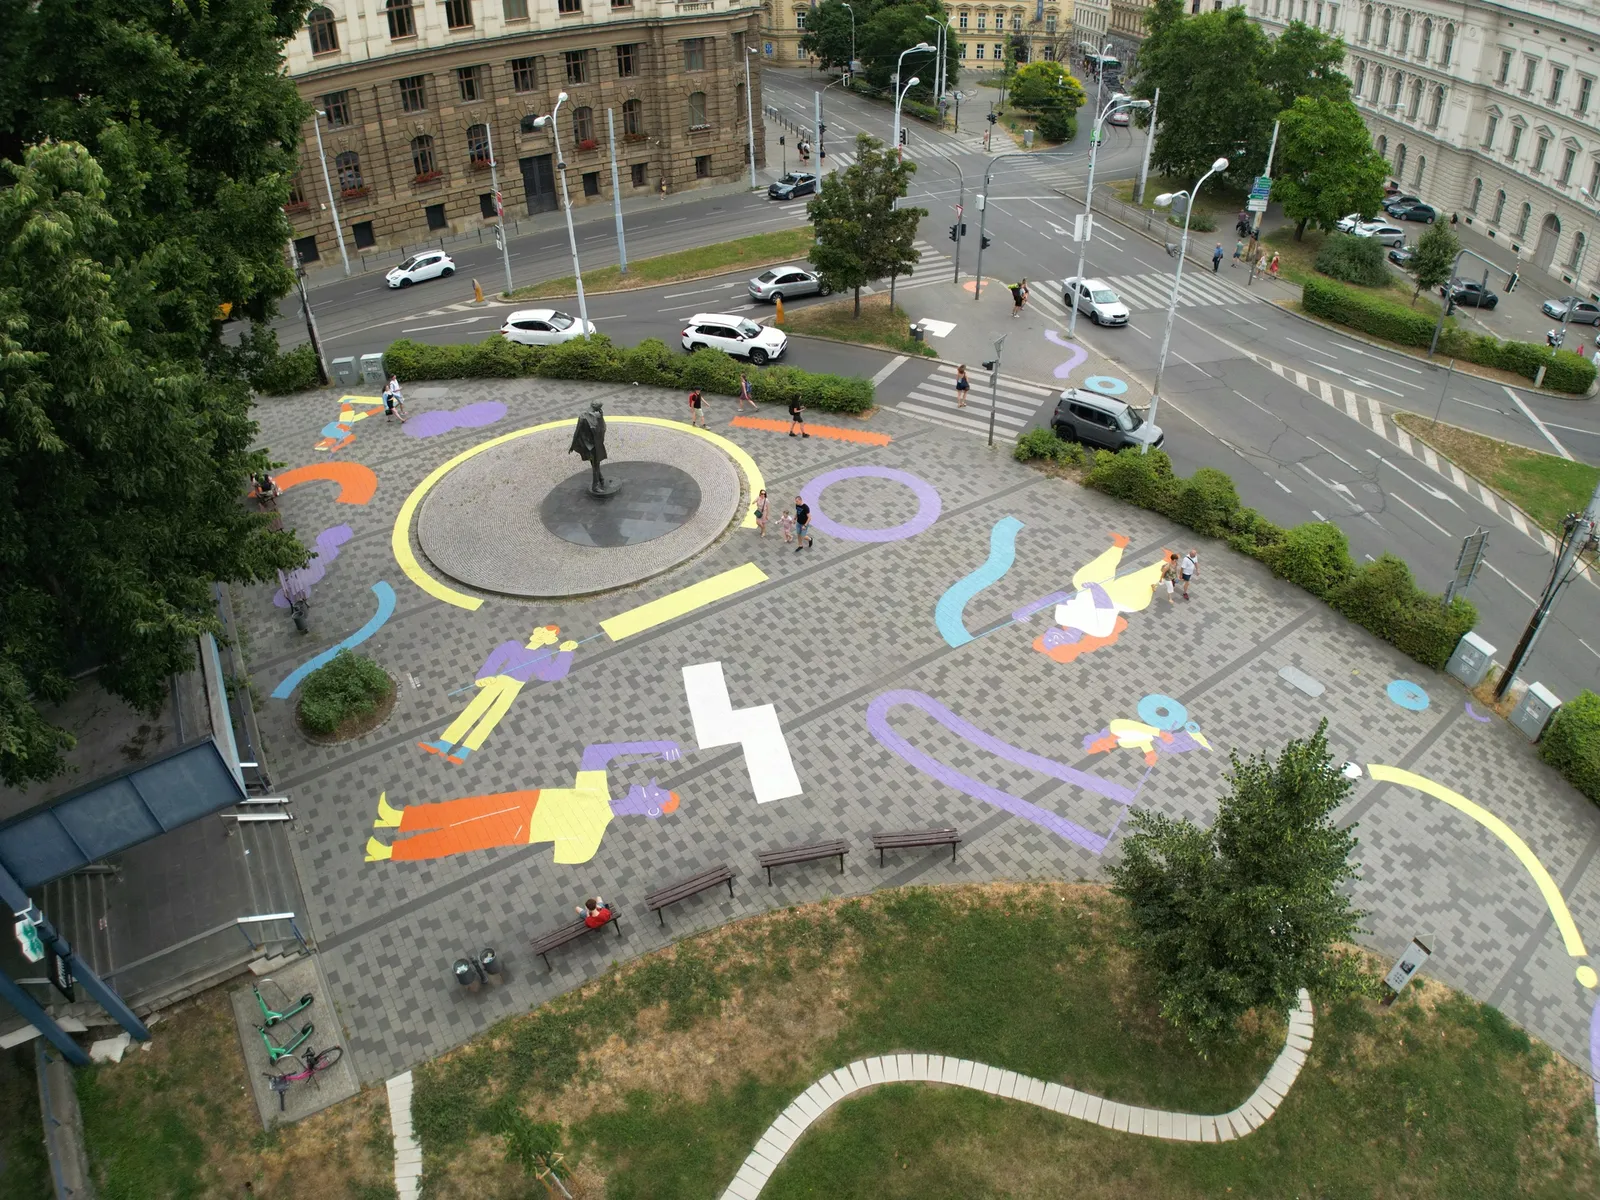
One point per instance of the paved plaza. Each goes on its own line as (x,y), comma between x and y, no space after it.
(920,673)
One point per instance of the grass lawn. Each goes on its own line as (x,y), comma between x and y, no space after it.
(757,250)
(1296,259)
(878,325)
(1544,486)
(177,1120)
(666,1071)
(24,1167)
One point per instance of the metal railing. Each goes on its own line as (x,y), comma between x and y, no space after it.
(227,945)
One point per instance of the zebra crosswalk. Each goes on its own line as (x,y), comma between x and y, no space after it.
(1144,293)
(1016,403)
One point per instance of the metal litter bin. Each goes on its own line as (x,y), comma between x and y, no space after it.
(372,369)
(917,334)
(344,371)
(1535,711)
(1471,661)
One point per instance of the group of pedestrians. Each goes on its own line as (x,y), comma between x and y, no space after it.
(1178,570)
(794,524)
(1248,256)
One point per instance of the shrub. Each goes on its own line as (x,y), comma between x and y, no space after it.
(1142,479)
(1353,259)
(1382,597)
(352,685)
(1199,222)
(1036,443)
(1315,555)
(1368,314)
(1057,126)
(295,371)
(1571,744)
(1206,502)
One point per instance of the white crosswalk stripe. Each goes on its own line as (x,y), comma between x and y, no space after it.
(1015,403)
(1153,291)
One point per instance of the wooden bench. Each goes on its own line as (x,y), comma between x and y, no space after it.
(684,888)
(571,932)
(799,854)
(908,838)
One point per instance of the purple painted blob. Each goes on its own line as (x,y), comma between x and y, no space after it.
(1594,1053)
(327,548)
(1473,713)
(928,508)
(432,424)
(1079,354)
(878,724)
(1038,606)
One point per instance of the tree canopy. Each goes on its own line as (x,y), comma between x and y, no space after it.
(1435,259)
(146,149)
(1326,166)
(861,235)
(892,28)
(827,32)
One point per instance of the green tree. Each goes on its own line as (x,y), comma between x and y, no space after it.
(895,27)
(1302,61)
(1435,259)
(1326,165)
(828,31)
(146,149)
(1243,914)
(1045,87)
(861,235)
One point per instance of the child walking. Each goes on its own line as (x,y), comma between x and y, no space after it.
(786,523)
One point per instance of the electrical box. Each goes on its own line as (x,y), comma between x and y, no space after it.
(1471,661)
(372,371)
(344,371)
(1535,711)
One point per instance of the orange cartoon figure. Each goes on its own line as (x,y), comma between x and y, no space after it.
(1093,616)
(336,435)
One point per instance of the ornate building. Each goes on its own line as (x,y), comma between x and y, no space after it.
(414,97)
(981,30)
(1486,110)
(1127,31)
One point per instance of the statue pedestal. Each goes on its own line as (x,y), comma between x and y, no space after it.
(601,488)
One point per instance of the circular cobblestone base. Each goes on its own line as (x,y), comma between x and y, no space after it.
(490,523)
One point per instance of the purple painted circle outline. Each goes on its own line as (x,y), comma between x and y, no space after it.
(928,504)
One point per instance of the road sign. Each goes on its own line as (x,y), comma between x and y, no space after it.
(499,205)
(1254,205)
(1400,974)
(60,975)
(1467,564)
(28,939)
(1261,188)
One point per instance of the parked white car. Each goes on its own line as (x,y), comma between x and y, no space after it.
(1095,297)
(430,264)
(543,327)
(1351,222)
(738,336)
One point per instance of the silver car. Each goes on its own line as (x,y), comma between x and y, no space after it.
(1382,232)
(785,283)
(1095,298)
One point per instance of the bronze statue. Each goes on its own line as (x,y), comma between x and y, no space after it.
(589,444)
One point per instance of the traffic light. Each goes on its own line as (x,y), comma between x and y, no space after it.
(902,137)
(986,240)
(781,140)
(958,230)
(993,118)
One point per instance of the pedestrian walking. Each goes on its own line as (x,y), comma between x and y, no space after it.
(802,524)
(962,386)
(1019,296)
(1169,575)
(1216,258)
(1186,569)
(745,394)
(1238,251)
(786,524)
(796,420)
(761,512)
(394,404)
(1272,267)
(697,408)
(594,911)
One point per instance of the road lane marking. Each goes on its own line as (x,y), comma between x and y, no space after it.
(1432,491)
(1420,513)
(1509,580)
(889,370)
(1540,426)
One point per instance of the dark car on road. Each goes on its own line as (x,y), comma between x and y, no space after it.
(793,184)
(1400,200)
(1470,295)
(1415,212)
(1575,310)
(1100,421)
(1401,256)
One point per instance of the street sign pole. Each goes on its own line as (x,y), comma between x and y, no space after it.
(1467,563)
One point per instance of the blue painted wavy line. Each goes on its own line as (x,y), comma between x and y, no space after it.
(385,595)
(947,614)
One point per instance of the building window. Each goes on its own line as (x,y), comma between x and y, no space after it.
(1427,40)
(1499,207)
(1522,221)
(1377,85)
(1449,45)
(961,19)
(621,3)
(627,61)
(1405,34)
(577,65)
(1585,94)
(1422,165)
(1400,160)
(1333,17)
(1016,22)
(568,7)
(486,208)
(1361,79)
(591,183)
(1594,180)
(702,166)
(1529,70)
(305,249)
(1366,23)
(999,51)
(1568,160)
(1505,66)
(583,127)
(458,14)
(1557,76)
(1489,132)
(435,215)
(1438,106)
(348,167)
(980,49)
(694,54)
(297,198)
(413,93)
(1416,99)
(516,10)
(1395,89)
(337,106)
(422,158)
(478,145)
(1383,146)
(402,21)
(983,19)
(1477,194)
(1318,21)
(529,125)
(1387,27)
(1575,260)
(697,111)
(323,31)
(637,173)
(1516,142)
(524,74)
(1050,25)
(1540,149)
(467,80)
(633,118)
(362,231)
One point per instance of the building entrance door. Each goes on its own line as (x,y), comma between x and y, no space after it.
(539,183)
(1549,234)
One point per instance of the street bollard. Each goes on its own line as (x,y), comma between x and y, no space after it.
(477,291)
(778,318)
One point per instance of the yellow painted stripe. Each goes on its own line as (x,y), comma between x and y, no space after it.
(685,600)
(400,539)
(1535,868)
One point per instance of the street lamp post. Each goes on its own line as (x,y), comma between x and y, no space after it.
(1117,104)
(899,97)
(1165,201)
(983,205)
(750,117)
(499,205)
(1450,292)
(322,158)
(852,70)
(938,69)
(899,70)
(566,203)
(1579,538)
(616,195)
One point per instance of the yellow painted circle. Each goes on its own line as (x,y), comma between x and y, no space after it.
(1587,977)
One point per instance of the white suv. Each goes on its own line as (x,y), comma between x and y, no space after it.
(1096,298)
(543,327)
(738,336)
(430,264)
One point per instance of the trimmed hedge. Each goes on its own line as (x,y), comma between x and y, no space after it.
(1380,596)
(351,685)
(1572,743)
(651,362)
(1353,259)
(1564,370)
(1043,443)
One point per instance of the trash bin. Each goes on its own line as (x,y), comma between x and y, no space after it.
(916,333)
(344,371)
(1471,661)
(372,369)
(1535,711)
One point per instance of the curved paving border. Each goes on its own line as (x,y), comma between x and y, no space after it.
(812,1103)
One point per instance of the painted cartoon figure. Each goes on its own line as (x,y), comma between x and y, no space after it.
(509,666)
(1163,726)
(573,819)
(1092,617)
(336,435)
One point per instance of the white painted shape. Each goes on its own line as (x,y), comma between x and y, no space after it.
(1429,457)
(889,370)
(938,329)
(756,730)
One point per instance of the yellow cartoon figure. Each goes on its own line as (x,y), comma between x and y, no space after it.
(501,677)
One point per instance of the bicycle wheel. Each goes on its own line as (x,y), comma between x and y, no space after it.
(323,1059)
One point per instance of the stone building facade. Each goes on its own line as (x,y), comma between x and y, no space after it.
(1486,110)
(415,96)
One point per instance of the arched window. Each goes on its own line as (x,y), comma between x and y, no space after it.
(1366,23)
(1396,86)
(1387,26)
(322,30)
(583,127)
(1399,160)
(1404,44)
(1422,165)
(1377,85)
(1427,40)
(402,20)
(1438,106)
(348,168)
(1449,45)
(478,145)
(697,111)
(1383,146)
(1416,99)
(1576,259)
(1361,78)
(633,118)
(1499,207)
(1523,219)
(422,157)
(1477,194)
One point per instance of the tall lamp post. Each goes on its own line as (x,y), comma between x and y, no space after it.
(566,203)
(899,96)
(1117,104)
(749,115)
(499,206)
(938,69)
(1165,201)
(900,93)
(322,158)
(852,13)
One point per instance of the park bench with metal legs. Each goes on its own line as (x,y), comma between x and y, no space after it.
(684,888)
(571,932)
(790,855)
(909,838)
